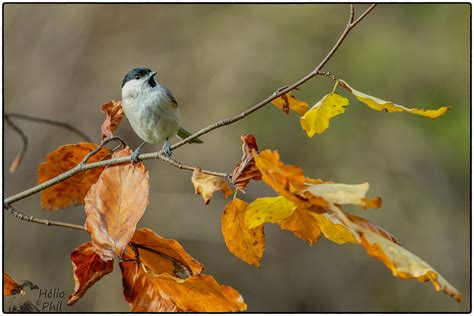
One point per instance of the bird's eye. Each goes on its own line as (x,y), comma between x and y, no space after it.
(137,77)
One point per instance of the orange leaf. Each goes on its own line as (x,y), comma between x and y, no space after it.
(303,225)
(245,243)
(164,255)
(246,169)
(206,185)
(113,116)
(10,286)
(147,291)
(289,102)
(114,205)
(72,190)
(88,268)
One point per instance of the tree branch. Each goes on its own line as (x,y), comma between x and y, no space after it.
(46,222)
(159,154)
(24,145)
(50,122)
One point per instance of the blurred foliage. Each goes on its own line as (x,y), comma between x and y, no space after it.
(64,61)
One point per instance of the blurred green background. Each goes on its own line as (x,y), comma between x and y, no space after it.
(63,61)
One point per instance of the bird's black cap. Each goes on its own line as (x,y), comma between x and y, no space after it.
(140,71)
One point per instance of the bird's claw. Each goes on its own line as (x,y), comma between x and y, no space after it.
(134,158)
(167,149)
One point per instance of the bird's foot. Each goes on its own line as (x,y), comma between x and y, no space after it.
(167,149)
(134,158)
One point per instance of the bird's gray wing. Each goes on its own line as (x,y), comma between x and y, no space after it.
(182,133)
(170,95)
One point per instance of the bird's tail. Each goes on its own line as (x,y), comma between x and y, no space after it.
(182,133)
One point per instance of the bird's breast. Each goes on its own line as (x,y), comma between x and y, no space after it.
(153,116)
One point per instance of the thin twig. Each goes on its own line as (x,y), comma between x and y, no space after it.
(101,145)
(190,168)
(227,121)
(24,145)
(50,122)
(33,219)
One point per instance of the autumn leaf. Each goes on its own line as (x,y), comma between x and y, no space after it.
(206,185)
(113,116)
(10,286)
(289,102)
(152,284)
(245,170)
(88,268)
(268,210)
(72,190)
(114,205)
(317,119)
(245,243)
(404,264)
(164,255)
(338,193)
(387,106)
(279,210)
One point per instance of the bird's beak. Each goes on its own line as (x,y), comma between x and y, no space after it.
(152,74)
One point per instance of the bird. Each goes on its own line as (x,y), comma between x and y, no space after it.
(152,110)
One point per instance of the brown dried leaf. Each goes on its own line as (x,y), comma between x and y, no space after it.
(246,170)
(303,225)
(113,116)
(72,190)
(147,291)
(206,185)
(114,205)
(164,255)
(10,286)
(88,268)
(245,243)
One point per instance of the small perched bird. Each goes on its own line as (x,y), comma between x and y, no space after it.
(151,109)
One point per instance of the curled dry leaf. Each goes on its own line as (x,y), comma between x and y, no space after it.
(113,117)
(404,264)
(245,243)
(72,190)
(114,205)
(316,120)
(147,291)
(387,106)
(10,286)
(164,255)
(206,185)
(88,268)
(289,102)
(245,170)
(152,284)
(338,193)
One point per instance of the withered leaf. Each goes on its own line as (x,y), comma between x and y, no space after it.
(72,190)
(245,243)
(148,291)
(113,117)
(289,102)
(206,185)
(164,255)
(10,286)
(245,170)
(88,268)
(114,205)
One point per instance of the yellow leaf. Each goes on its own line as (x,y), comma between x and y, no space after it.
(206,185)
(288,102)
(316,120)
(268,210)
(404,264)
(303,225)
(333,229)
(387,106)
(245,243)
(338,193)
